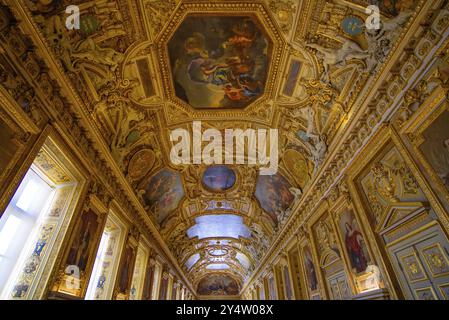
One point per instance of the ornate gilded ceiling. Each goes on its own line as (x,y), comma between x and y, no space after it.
(145,67)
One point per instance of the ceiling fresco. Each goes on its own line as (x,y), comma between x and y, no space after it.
(163,194)
(143,68)
(274,196)
(217,284)
(219,61)
(219,178)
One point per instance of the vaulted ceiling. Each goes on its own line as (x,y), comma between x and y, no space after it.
(146,67)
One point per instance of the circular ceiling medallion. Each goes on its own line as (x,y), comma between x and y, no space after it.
(141,163)
(219,178)
(352,25)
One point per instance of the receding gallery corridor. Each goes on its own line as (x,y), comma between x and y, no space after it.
(239,150)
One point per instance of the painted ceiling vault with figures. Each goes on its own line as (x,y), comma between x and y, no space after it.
(139,69)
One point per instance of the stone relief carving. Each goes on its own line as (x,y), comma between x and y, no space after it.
(158,12)
(91,51)
(338,57)
(380,41)
(117,116)
(323,236)
(249,177)
(284,11)
(192,181)
(384,181)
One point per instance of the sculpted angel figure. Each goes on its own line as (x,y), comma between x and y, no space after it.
(380,40)
(375,278)
(318,149)
(323,235)
(283,215)
(314,143)
(259,236)
(127,120)
(338,57)
(248,182)
(55,31)
(397,22)
(307,113)
(89,50)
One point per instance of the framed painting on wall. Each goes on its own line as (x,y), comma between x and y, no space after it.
(310,271)
(80,256)
(354,241)
(435,147)
(126,271)
(429,136)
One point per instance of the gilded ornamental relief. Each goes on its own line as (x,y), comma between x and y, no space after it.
(389,181)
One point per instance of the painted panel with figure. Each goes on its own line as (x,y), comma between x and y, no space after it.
(273,194)
(219,61)
(126,270)
(164,288)
(82,243)
(292,78)
(163,193)
(311,275)
(287,282)
(148,284)
(272,287)
(218,284)
(354,241)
